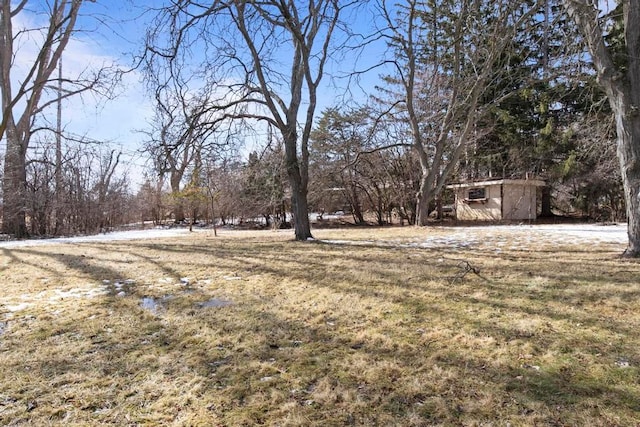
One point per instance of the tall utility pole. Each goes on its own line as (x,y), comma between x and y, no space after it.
(20,108)
(58,171)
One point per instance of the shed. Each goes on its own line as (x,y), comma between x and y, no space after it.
(496,200)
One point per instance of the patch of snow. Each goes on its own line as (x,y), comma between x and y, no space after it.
(351,242)
(623,362)
(78,293)
(155,233)
(534,367)
(520,237)
(17,307)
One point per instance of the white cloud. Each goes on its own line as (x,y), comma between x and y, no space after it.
(97,118)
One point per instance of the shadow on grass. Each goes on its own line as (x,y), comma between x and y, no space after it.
(256,363)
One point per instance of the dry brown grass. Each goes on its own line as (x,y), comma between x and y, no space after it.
(319,333)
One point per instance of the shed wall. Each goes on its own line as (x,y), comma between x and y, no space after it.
(507,201)
(487,210)
(519,202)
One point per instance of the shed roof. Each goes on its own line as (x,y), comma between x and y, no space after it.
(532,182)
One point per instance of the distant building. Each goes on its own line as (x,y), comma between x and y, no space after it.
(496,200)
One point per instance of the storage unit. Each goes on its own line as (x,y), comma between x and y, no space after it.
(496,200)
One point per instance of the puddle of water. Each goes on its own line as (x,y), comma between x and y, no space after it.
(149,303)
(157,305)
(154,305)
(215,303)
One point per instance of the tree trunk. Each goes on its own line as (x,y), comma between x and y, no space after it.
(300,209)
(623,91)
(423,198)
(14,188)
(628,128)
(380,209)
(298,182)
(356,206)
(178,206)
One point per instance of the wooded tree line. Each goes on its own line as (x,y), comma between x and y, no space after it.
(466,90)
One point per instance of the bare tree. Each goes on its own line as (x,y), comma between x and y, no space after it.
(40,191)
(224,186)
(186,126)
(23,102)
(445,53)
(173,147)
(103,186)
(621,82)
(94,194)
(267,60)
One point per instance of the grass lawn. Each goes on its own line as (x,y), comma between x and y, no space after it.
(363,327)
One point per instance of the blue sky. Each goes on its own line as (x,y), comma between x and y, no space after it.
(109,35)
(115,31)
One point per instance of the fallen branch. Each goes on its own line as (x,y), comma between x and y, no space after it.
(466,267)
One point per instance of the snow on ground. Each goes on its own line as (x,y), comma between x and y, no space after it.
(487,238)
(494,236)
(511,237)
(525,236)
(153,233)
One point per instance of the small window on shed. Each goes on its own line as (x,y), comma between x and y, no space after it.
(478,193)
